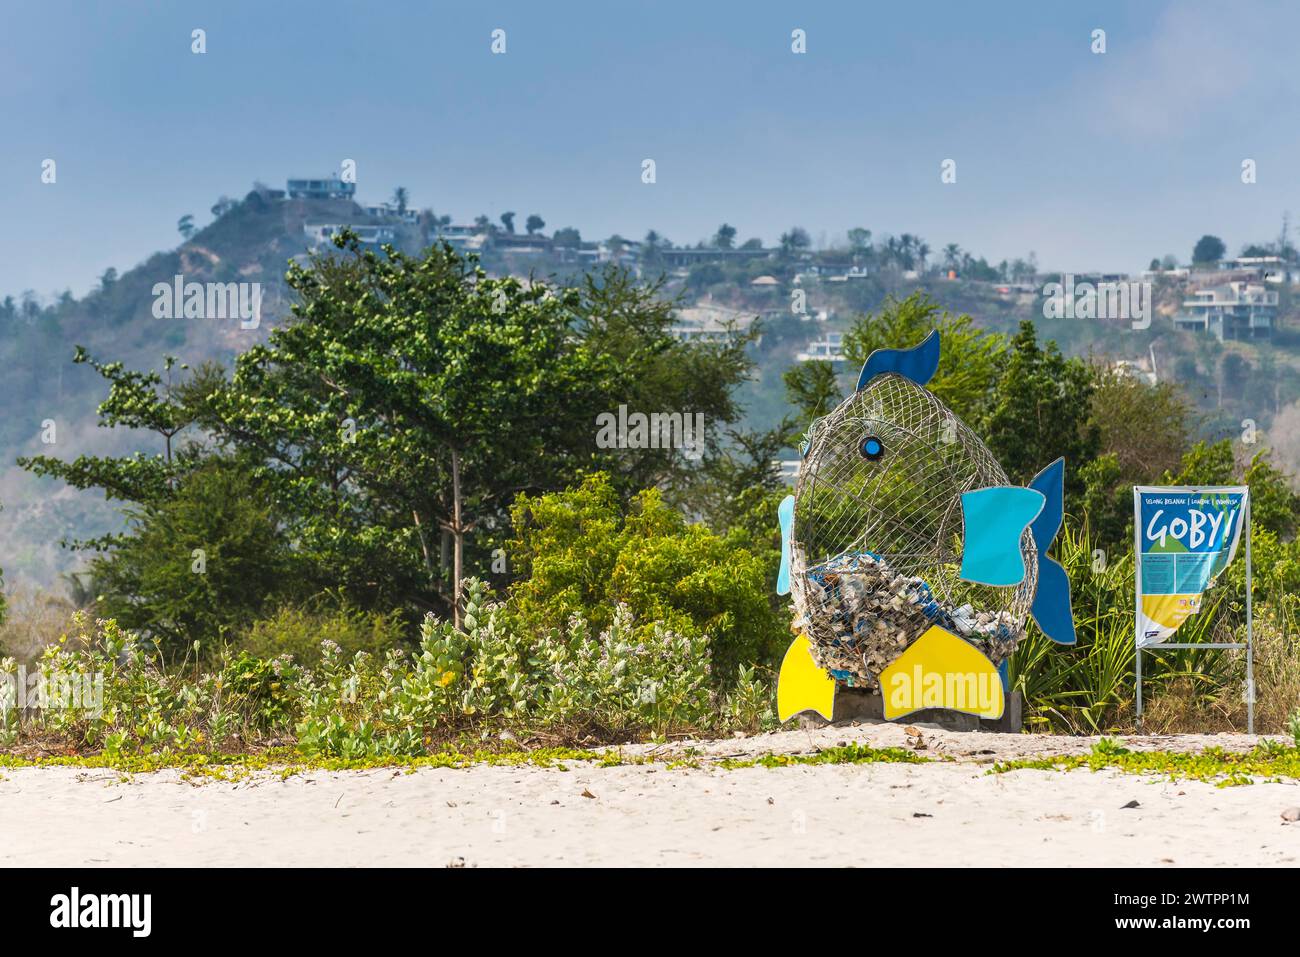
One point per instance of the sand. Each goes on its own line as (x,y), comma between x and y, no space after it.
(865,815)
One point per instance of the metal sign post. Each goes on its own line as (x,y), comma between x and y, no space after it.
(1248,645)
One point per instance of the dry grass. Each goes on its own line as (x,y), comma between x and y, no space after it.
(1188,705)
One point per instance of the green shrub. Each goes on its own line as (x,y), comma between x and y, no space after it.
(577,553)
(298,630)
(260,691)
(200,565)
(1090,687)
(619,683)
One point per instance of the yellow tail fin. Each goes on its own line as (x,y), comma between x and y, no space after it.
(802,686)
(941,670)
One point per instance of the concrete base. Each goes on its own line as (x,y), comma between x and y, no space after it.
(853,704)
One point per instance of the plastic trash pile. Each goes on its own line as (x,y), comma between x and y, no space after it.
(860,615)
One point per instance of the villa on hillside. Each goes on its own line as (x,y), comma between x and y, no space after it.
(1233,310)
(320,234)
(1271,269)
(332,188)
(390,211)
(706,323)
(525,244)
(464,237)
(685,258)
(827,349)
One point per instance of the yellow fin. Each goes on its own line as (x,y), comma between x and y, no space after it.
(940,670)
(801,685)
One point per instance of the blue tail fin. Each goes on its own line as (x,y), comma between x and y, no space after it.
(1051,607)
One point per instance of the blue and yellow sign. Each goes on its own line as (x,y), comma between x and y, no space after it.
(1185,538)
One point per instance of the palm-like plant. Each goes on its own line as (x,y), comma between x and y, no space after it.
(1090,687)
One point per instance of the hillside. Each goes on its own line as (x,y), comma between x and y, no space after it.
(252,240)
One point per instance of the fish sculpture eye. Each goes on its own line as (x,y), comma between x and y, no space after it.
(871,448)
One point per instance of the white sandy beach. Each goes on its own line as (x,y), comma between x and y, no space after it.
(868,815)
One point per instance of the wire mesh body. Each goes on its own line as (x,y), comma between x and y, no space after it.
(877,538)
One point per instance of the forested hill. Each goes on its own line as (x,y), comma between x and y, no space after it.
(50,402)
(47,397)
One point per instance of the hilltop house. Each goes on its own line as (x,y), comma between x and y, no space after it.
(1233,310)
(389,212)
(827,349)
(320,234)
(332,188)
(522,244)
(685,258)
(708,323)
(1272,269)
(626,252)
(464,238)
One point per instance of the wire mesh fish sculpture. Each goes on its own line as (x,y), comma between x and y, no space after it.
(903,527)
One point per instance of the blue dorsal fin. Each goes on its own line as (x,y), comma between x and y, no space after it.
(918,363)
(1051,606)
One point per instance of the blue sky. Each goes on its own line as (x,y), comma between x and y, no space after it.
(1091,161)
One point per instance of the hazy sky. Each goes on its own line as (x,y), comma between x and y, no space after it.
(1092,161)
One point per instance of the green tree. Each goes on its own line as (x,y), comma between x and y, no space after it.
(859,239)
(400,199)
(725,237)
(1205,463)
(1143,430)
(584,551)
(1042,410)
(198,566)
(185,226)
(1273,503)
(1208,249)
(1145,425)
(969,359)
(508,221)
(630,324)
(409,399)
(1234,373)
(534,224)
(391,422)
(1107,501)
(794,241)
(812,388)
(141,401)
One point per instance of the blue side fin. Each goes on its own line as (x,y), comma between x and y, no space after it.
(994,520)
(918,363)
(785,512)
(1051,606)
